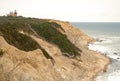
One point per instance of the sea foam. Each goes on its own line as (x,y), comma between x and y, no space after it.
(108,42)
(113,73)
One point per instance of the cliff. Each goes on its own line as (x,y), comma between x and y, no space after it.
(46,50)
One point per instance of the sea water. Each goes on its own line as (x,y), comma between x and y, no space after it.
(108,42)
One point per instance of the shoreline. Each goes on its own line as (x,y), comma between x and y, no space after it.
(104,70)
(107,44)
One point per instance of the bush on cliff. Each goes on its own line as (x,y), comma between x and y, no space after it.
(1,52)
(52,35)
(10,27)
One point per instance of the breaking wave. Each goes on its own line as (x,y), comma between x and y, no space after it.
(108,42)
(110,47)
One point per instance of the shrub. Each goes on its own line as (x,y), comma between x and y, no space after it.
(21,41)
(51,34)
(10,27)
(1,52)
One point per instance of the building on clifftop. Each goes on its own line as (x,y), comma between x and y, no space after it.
(13,14)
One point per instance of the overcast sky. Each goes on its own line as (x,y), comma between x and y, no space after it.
(66,10)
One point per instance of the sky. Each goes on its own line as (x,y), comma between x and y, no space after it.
(66,10)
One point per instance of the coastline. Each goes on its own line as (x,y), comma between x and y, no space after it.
(107,43)
(74,35)
(104,70)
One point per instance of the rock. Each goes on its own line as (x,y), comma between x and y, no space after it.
(99,40)
(118,58)
(115,53)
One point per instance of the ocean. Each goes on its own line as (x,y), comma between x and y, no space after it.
(108,42)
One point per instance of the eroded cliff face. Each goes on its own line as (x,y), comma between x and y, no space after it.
(20,65)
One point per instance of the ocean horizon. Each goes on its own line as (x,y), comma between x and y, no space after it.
(108,36)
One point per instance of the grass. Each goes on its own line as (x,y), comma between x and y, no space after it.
(51,34)
(10,27)
(21,41)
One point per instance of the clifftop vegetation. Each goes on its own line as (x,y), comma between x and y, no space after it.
(10,28)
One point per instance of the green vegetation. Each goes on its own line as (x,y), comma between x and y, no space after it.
(55,25)
(1,52)
(10,27)
(51,34)
(46,54)
(21,41)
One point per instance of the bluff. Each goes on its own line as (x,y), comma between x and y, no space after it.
(34,49)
